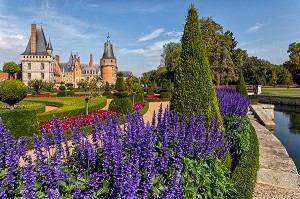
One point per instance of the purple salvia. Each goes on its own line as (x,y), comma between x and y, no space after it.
(77,194)
(11,163)
(93,184)
(28,174)
(52,193)
(3,195)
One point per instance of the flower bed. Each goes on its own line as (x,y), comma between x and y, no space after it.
(68,122)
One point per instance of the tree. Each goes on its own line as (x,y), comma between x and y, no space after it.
(241,86)
(48,86)
(293,64)
(36,84)
(11,68)
(170,58)
(12,92)
(193,86)
(284,76)
(219,46)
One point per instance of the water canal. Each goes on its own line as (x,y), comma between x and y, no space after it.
(287,130)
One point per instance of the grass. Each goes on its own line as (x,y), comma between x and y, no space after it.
(281,91)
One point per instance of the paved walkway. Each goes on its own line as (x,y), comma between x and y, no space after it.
(277,176)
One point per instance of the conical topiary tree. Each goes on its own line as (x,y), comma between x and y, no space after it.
(241,86)
(193,86)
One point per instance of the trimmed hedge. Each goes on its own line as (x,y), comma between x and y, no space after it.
(107,94)
(121,105)
(21,121)
(122,94)
(244,174)
(70,93)
(69,106)
(61,93)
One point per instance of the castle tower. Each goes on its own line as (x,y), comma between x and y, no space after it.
(108,63)
(37,59)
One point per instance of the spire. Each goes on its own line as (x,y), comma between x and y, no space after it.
(70,63)
(49,46)
(108,49)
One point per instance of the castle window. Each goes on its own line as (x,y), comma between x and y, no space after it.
(110,60)
(42,76)
(29,76)
(29,66)
(42,66)
(103,61)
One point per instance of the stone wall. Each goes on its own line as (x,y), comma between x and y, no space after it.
(277,100)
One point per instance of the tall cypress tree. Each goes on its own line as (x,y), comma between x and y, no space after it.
(193,86)
(241,85)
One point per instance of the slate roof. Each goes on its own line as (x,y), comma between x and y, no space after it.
(108,52)
(86,66)
(41,43)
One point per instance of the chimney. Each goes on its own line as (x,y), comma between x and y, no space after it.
(57,58)
(33,39)
(91,60)
(74,58)
(78,61)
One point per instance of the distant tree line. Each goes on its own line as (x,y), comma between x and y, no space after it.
(226,61)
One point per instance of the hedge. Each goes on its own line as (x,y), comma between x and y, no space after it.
(121,105)
(165,95)
(21,121)
(244,174)
(61,93)
(69,106)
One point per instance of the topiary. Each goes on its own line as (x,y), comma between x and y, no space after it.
(193,86)
(121,105)
(62,88)
(107,87)
(107,94)
(121,94)
(241,85)
(12,92)
(120,84)
(61,93)
(70,88)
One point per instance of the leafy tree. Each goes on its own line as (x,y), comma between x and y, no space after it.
(154,77)
(11,68)
(36,84)
(193,87)
(170,58)
(241,86)
(48,86)
(12,92)
(293,64)
(219,46)
(284,76)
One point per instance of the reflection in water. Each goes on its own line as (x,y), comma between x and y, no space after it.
(287,130)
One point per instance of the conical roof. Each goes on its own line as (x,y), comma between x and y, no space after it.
(108,50)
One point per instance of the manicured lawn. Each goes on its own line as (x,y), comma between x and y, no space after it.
(281,91)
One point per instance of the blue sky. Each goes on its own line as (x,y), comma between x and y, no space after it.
(138,29)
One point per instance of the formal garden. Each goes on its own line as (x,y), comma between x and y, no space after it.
(201,146)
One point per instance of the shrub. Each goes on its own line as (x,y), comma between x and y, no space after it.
(21,121)
(61,93)
(193,86)
(107,87)
(107,94)
(12,92)
(120,84)
(36,84)
(62,87)
(244,175)
(150,91)
(165,95)
(121,105)
(70,88)
(241,85)
(70,93)
(123,94)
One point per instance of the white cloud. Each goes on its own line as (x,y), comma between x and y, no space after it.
(149,51)
(93,5)
(152,35)
(256,51)
(255,28)
(174,33)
